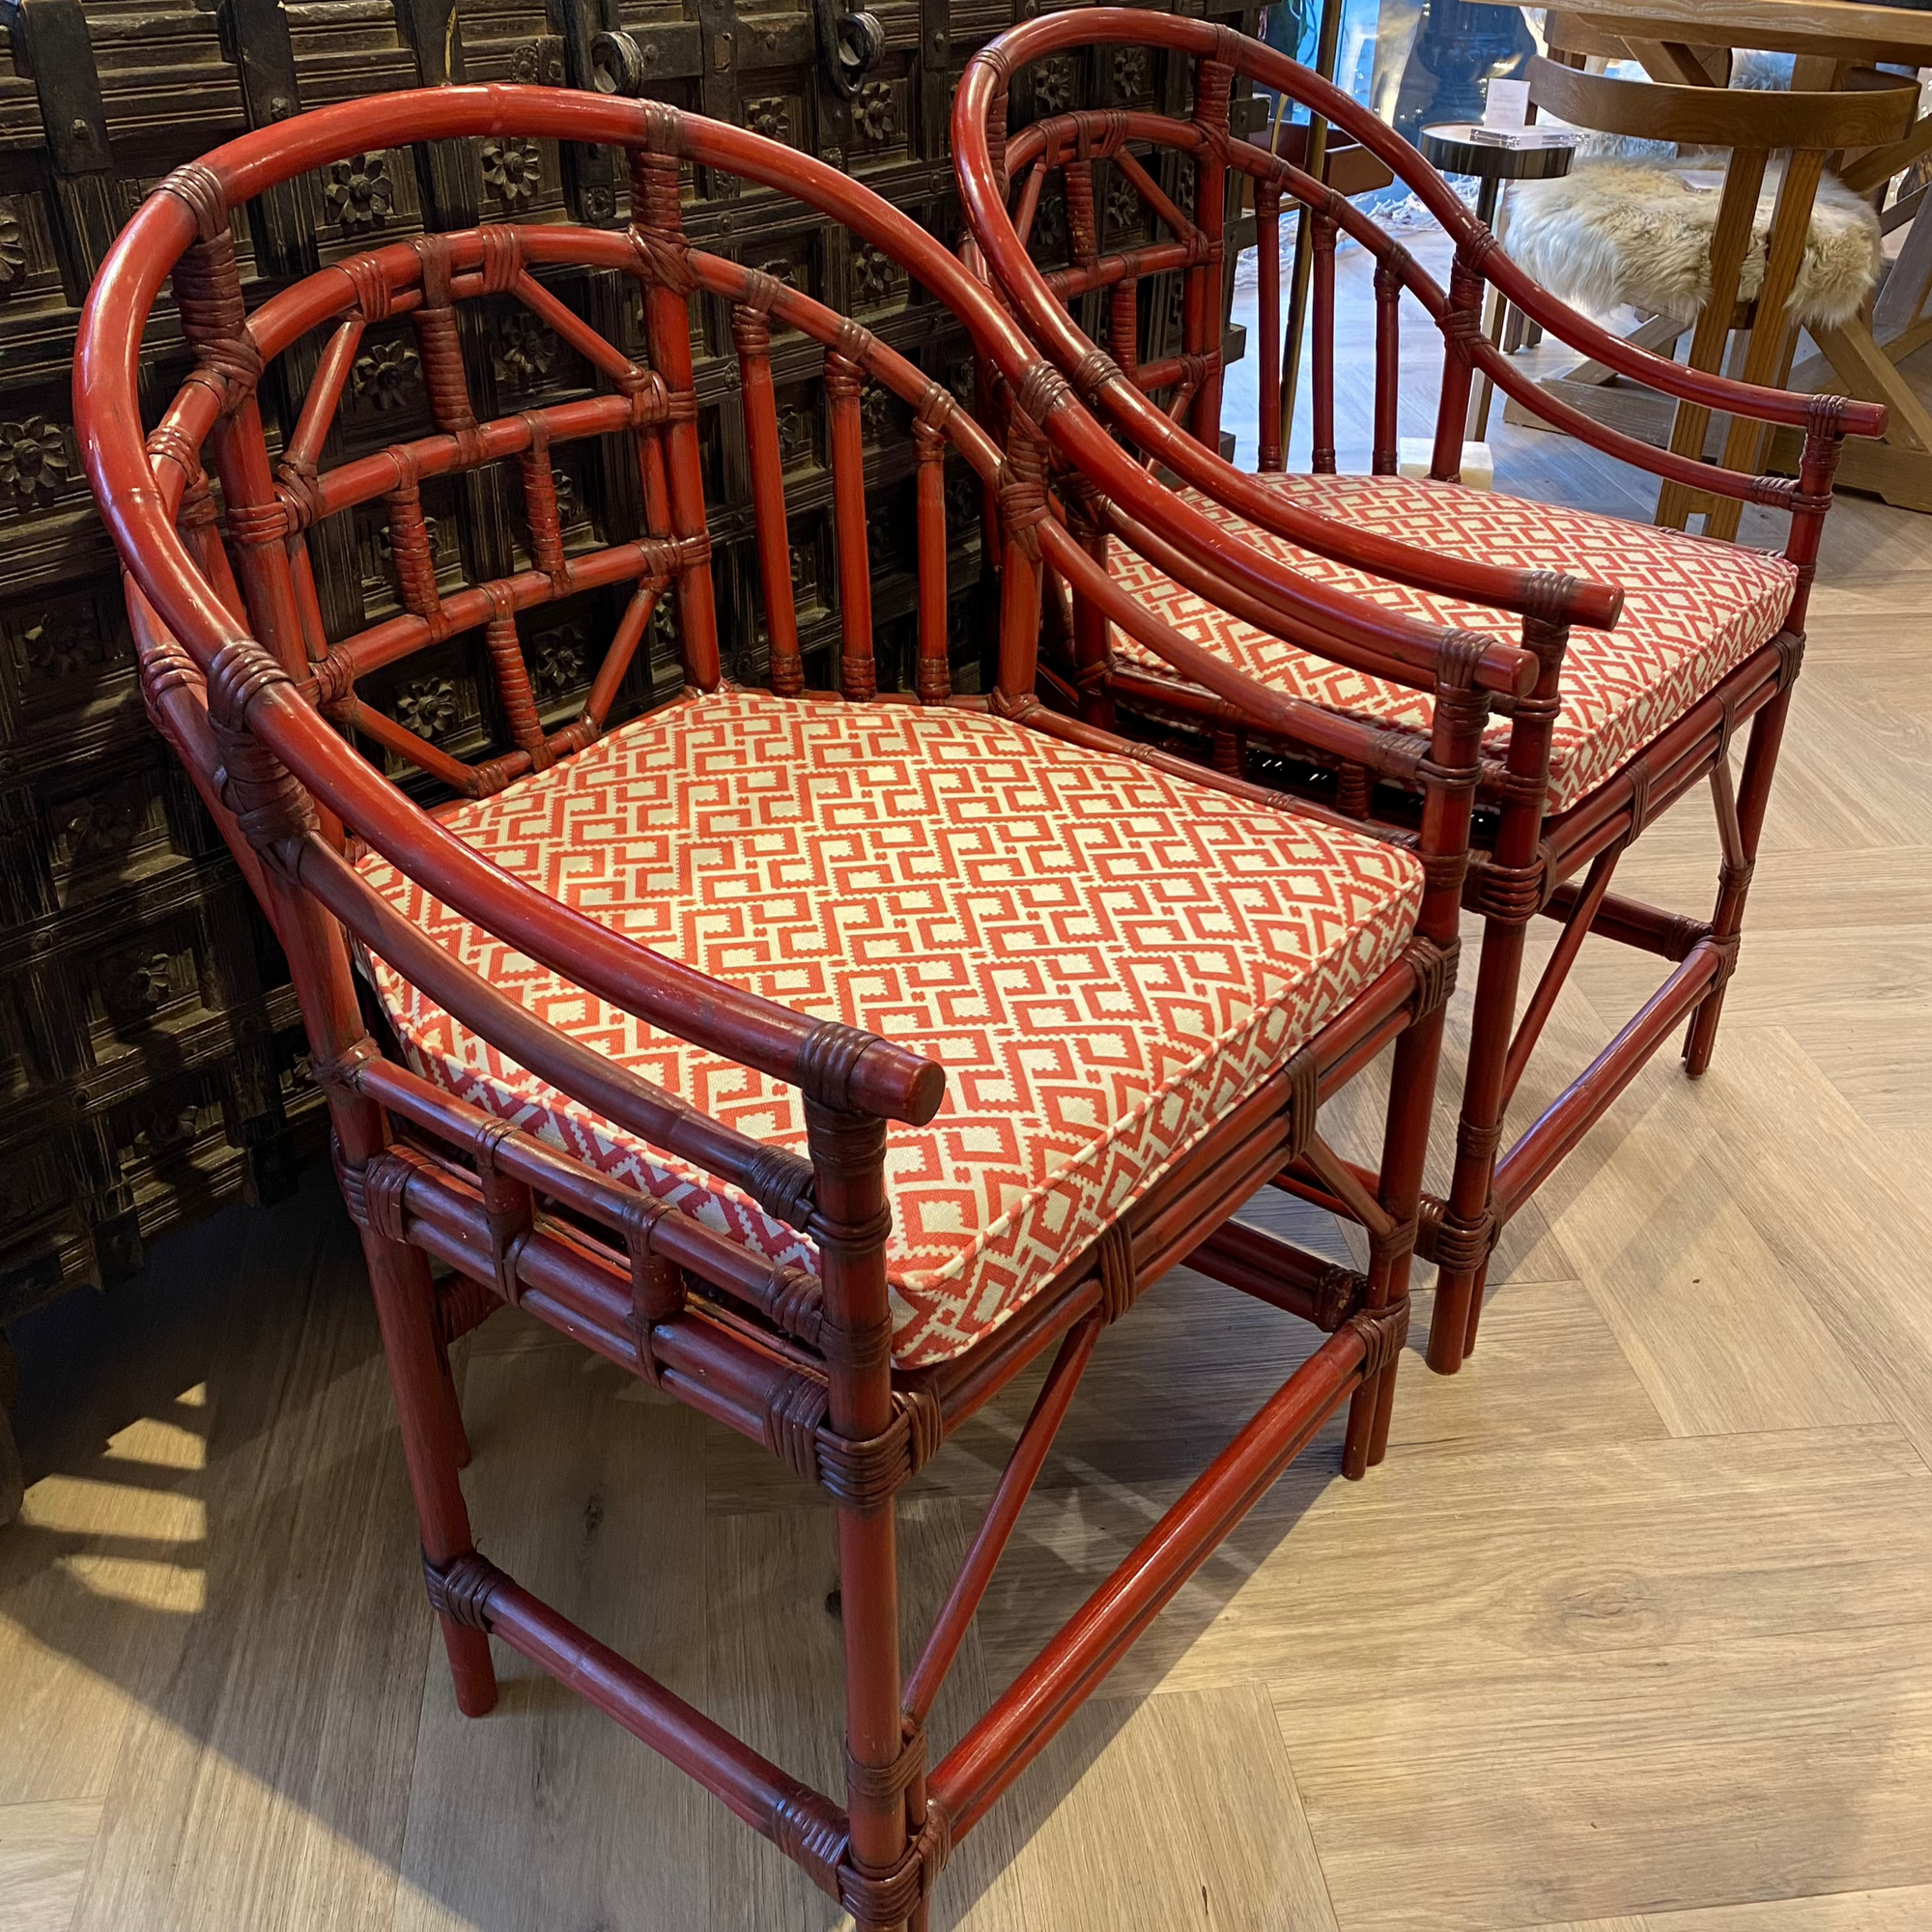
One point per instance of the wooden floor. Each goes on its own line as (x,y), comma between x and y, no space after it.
(1633,1632)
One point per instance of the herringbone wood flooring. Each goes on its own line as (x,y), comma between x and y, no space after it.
(1629,1633)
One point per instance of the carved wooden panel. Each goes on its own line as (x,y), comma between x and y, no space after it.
(150,1056)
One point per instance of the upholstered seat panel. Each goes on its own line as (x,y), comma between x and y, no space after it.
(1693,610)
(1103,957)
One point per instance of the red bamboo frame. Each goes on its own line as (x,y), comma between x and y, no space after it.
(240,677)
(1534,860)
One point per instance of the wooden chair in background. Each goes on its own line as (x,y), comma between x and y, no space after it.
(1753,127)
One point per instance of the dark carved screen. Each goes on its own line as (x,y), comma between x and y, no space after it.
(151,1059)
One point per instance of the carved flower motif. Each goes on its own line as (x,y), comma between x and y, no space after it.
(359,194)
(57,648)
(513,167)
(1049,242)
(161,1126)
(796,443)
(873,112)
(568,509)
(1124,206)
(875,411)
(1053,86)
(138,983)
(664,629)
(873,275)
(101,825)
(13,246)
(525,350)
(387,376)
(529,67)
(33,459)
(962,504)
(1131,69)
(427,707)
(770,117)
(561,663)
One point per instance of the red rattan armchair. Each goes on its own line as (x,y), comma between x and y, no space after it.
(822,1058)
(1646,671)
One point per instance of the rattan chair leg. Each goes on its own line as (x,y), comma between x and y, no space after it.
(1405,1147)
(1734,876)
(405,1306)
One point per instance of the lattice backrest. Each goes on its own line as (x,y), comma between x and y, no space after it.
(1107,162)
(1002,177)
(646,406)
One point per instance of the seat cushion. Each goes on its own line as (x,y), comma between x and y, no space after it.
(1103,957)
(1693,610)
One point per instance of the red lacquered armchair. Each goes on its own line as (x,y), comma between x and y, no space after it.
(1653,647)
(822,1058)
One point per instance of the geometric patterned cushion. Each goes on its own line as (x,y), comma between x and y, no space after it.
(1693,610)
(1103,957)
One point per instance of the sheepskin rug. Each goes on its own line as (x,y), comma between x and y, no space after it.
(1610,233)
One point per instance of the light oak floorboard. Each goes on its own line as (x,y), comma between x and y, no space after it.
(774,1655)
(1476,1790)
(1907,1909)
(588,1489)
(1720,1335)
(1507,1555)
(1202,1774)
(44,1853)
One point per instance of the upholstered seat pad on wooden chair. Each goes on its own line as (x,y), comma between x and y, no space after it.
(1103,957)
(1693,610)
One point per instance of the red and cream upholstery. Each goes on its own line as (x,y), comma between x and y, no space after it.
(1100,976)
(1693,610)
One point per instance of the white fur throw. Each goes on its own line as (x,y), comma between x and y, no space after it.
(1610,232)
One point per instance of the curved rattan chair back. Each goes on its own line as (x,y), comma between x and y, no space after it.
(237,666)
(996,166)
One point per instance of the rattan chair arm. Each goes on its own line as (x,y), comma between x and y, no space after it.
(780,1181)
(1355,632)
(1329,731)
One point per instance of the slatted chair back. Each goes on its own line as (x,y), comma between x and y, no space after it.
(647,408)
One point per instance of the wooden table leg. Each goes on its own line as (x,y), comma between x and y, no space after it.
(1768,355)
(1907,284)
(1730,240)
